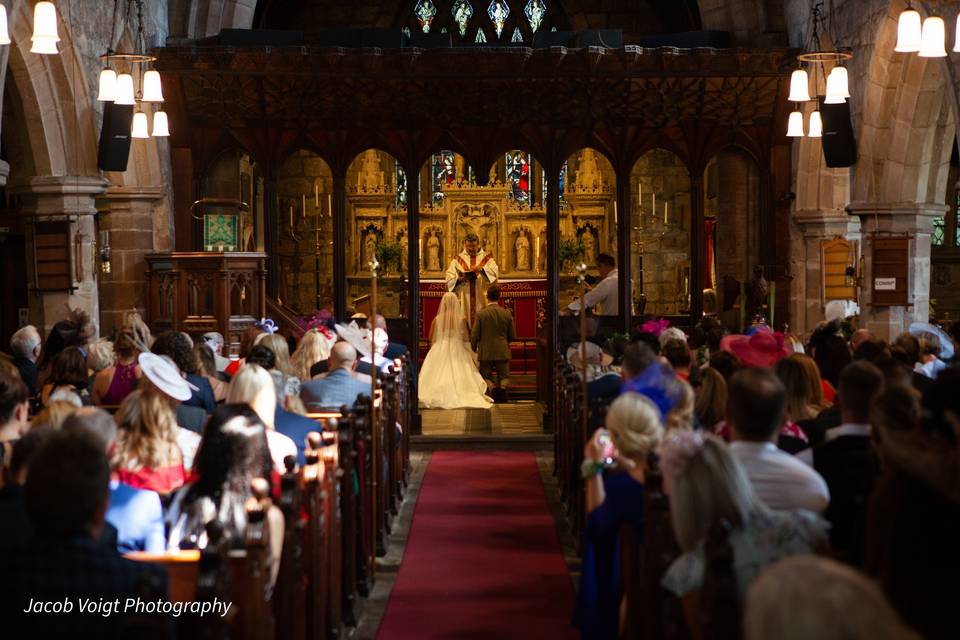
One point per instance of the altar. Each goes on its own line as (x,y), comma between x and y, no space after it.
(526,299)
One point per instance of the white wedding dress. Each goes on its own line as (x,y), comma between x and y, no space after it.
(449,378)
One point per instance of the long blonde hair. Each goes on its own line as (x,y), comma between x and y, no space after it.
(278,344)
(313,348)
(795,376)
(711,401)
(681,415)
(253,385)
(146,430)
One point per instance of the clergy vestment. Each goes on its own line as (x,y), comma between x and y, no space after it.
(472,291)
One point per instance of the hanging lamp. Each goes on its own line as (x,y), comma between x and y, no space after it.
(4,31)
(909,31)
(815,130)
(933,38)
(45,36)
(795,125)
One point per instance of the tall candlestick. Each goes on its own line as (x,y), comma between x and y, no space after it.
(536,252)
(615,212)
(330,205)
(316,195)
(303,212)
(640,196)
(291,216)
(665,205)
(653,209)
(420,243)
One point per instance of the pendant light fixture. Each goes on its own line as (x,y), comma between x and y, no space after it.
(126,77)
(908,30)
(836,85)
(45,36)
(4,31)
(932,39)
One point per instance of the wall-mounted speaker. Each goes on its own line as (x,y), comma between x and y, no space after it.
(114,148)
(839,145)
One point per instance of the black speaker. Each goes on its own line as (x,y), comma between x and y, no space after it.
(114,148)
(839,145)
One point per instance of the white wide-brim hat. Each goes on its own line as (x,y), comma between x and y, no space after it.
(946,343)
(595,355)
(165,376)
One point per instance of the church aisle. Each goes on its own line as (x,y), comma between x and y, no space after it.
(483,559)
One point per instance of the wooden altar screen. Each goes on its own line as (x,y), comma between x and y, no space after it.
(197,292)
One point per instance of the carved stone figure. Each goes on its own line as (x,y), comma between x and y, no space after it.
(522,248)
(433,252)
(757,292)
(589,247)
(404,246)
(370,177)
(369,249)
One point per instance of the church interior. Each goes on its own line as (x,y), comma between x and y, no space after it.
(679,209)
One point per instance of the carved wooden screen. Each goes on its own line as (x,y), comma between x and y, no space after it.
(836,256)
(53,256)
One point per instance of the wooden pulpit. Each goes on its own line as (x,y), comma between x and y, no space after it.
(197,292)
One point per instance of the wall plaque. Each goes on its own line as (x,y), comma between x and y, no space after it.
(890,271)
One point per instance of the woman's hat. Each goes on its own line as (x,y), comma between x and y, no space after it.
(595,355)
(165,376)
(762,349)
(946,344)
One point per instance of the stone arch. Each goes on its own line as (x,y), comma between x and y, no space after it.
(202,18)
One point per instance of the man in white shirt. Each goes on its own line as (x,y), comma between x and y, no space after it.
(755,413)
(603,298)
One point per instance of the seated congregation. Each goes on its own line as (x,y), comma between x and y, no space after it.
(152,472)
(725,486)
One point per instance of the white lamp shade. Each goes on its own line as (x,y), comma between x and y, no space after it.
(4,32)
(799,86)
(934,37)
(45,36)
(956,38)
(908,32)
(139,126)
(816,125)
(160,127)
(835,92)
(124,93)
(108,86)
(152,91)
(841,82)
(795,125)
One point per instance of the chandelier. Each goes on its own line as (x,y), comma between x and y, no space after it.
(927,41)
(124,71)
(836,83)
(45,36)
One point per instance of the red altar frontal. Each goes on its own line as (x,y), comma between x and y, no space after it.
(527,299)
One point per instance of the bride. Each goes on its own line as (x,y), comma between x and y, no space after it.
(449,378)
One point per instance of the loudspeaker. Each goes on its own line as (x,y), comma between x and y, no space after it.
(606,38)
(839,145)
(114,148)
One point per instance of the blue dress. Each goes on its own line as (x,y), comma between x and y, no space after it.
(598,600)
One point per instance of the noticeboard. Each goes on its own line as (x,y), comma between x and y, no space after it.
(890,273)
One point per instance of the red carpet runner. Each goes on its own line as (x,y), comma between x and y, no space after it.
(483,559)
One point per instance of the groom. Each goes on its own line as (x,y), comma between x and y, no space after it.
(490,338)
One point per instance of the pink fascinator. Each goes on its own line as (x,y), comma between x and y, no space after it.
(655,327)
(678,449)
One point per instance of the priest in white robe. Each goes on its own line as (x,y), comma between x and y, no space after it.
(469,275)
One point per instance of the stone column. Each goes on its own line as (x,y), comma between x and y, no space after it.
(806,297)
(56,198)
(897,219)
(127,214)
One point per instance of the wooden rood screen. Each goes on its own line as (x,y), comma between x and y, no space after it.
(336,520)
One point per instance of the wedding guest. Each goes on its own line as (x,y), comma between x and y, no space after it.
(930,364)
(254,386)
(831,353)
(826,600)
(207,367)
(284,374)
(724,363)
(338,387)
(136,514)
(711,397)
(16,529)
(394,349)
(178,348)
(233,452)
(681,415)
(755,413)
(14,410)
(66,498)
(114,384)
(76,330)
(677,354)
(798,387)
(314,349)
(636,358)
(613,500)
(148,453)
(248,339)
(54,414)
(100,356)
(25,344)
(68,373)
(214,340)
(708,486)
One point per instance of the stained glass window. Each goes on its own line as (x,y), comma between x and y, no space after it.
(517,36)
(498,11)
(425,12)
(401,183)
(535,11)
(481,37)
(518,176)
(462,12)
(939,228)
(443,173)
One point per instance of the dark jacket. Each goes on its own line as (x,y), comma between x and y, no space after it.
(28,372)
(203,397)
(295,427)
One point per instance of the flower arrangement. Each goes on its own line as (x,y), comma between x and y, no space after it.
(569,252)
(389,254)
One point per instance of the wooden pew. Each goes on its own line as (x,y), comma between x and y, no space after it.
(719,603)
(348,518)
(238,576)
(290,601)
(315,545)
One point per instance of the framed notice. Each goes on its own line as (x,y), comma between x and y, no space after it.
(836,255)
(890,274)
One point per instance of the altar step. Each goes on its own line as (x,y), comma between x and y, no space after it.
(523,418)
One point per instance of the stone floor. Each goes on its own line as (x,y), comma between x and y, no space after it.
(514,418)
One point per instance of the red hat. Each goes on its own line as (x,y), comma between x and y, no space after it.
(762,349)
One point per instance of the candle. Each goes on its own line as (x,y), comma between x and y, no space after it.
(291,216)
(420,243)
(536,252)
(303,213)
(329,205)
(653,209)
(614,212)
(640,196)
(665,205)
(316,195)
